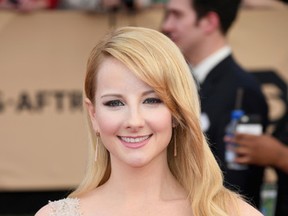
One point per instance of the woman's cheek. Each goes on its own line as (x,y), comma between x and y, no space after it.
(161,120)
(108,123)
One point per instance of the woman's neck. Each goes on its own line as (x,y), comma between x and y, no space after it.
(141,191)
(152,181)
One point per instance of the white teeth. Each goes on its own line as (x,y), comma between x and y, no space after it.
(134,140)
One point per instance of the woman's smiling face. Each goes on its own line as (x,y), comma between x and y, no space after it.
(134,124)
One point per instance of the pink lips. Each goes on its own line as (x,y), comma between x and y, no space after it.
(134,142)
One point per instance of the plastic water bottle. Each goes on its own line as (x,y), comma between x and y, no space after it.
(230,154)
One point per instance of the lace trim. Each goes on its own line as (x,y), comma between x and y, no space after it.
(65,207)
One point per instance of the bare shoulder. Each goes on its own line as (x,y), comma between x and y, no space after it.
(44,211)
(247,209)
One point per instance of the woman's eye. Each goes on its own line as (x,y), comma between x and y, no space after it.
(152,101)
(114,103)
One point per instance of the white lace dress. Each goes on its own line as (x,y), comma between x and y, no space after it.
(65,207)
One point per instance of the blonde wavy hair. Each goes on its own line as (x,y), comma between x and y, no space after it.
(157,61)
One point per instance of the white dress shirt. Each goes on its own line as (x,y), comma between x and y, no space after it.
(201,70)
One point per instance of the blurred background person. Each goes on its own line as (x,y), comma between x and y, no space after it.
(90,5)
(104,5)
(199,28)
(28,5)
(266,150)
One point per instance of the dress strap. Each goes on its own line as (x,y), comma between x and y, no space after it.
(65,207)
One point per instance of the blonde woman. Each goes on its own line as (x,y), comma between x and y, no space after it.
(148,155)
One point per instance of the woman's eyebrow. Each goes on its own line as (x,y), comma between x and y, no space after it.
(119,95)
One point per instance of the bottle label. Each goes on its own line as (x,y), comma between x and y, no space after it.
(254,129)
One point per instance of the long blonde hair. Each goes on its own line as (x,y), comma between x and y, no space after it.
(157,61)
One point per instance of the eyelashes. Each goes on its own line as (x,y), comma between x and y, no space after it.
(152,101)
(113,103)
(118,103)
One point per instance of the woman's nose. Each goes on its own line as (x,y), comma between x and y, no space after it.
(135,119)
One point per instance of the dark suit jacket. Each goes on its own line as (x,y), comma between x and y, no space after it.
(218,98)
(281,133)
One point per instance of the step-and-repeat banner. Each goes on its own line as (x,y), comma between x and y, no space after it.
(43,55)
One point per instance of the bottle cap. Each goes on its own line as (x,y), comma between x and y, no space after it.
(237,114)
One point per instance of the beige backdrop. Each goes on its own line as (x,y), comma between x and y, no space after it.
(43,55)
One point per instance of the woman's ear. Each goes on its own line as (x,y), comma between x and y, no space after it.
(91,112)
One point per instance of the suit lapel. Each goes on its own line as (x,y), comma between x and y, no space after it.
(213,78)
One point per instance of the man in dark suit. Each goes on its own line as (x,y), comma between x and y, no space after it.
(199,28)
